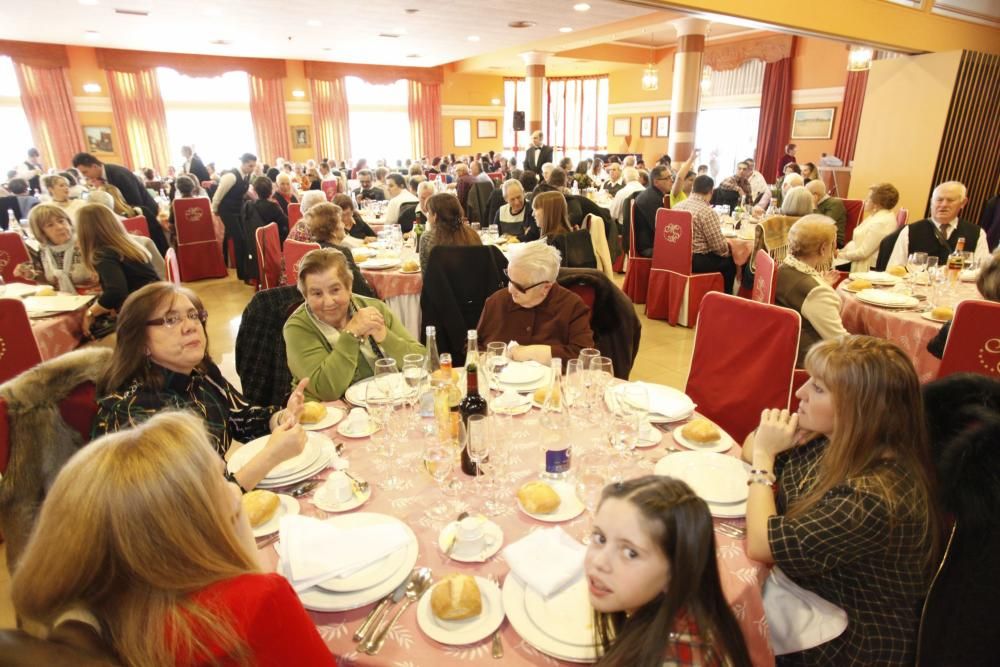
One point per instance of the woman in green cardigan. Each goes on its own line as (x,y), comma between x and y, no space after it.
(335,337)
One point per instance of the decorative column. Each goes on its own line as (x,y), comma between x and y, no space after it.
(686,96)
(534,62)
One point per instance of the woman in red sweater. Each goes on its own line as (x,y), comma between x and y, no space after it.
(141,535)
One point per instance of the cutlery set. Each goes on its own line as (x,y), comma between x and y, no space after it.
(372,633)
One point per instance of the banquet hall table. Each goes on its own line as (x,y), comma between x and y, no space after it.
(742,578)
(58,334)
(401,292)
(906,328)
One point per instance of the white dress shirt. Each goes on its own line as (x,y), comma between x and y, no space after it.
(618,203)
(901,250)
(392,208)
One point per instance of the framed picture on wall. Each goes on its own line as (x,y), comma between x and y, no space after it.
(812,123)
(646,126)
(622,127)
(663,126)
(486,128)
(300,136)
(463,132)
(99,139)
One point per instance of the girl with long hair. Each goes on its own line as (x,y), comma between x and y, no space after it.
(444,217)
(654,584)
(854,521)
(551,213)
(141,535)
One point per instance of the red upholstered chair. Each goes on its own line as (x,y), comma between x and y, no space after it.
(855,209)
(586,293)
(12,253)
(268,256)
(674,292)
(18,347)
(292,253)
(294,214)
(974,341)
(743,360)
(330,189)
(765,279)
(636,283)
(902,216)
(199,253)
(137,226)
(173,270)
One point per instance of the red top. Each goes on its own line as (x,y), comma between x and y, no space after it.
(268,616)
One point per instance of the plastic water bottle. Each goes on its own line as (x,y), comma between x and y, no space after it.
(557,448)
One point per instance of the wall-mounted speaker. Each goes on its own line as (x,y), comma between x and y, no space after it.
(518,121)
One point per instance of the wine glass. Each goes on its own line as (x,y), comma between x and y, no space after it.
(590,482)
(573,386)
(439,461)
(477,444)
(381,409)
(915,264)
(588,354)
(415,376)
(633,409)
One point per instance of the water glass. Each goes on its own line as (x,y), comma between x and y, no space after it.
(439,461)
(591,478)
(633,409)
(381,410)
(573,388)
(415,376)
(477,444)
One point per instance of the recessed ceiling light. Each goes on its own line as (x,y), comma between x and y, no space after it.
(298,93)
(91,88)
(581,6)
(327,48)
(473,38)
(521,24)
(414,55)
(221,42)
(412,10)
(92,34)
(495,101)
(88,2)
(314,23)
(565,29)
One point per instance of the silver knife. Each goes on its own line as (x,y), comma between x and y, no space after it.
(375,615)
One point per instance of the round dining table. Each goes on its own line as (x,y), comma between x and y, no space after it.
(742,578)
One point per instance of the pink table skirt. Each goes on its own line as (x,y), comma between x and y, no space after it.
(388,284)
(58,334)
(742,578)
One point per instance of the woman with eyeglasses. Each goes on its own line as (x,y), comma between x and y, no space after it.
(540,318)
(161,362)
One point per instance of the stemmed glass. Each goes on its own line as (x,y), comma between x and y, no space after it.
(439,461)
(590,481)
(572,388)
(477,444)
(916,263)
(415,376)
(633,409)
(587,355)
(381,408)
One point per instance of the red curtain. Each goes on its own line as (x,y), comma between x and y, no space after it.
(424,103)
(331,118)
(48,104)
(850,115)
(140,118)
(775,115)
(270,124)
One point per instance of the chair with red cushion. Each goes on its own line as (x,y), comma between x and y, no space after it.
(12,253)
(292,253)
(743,360)
(173,270)
(636,283)
(973,344)
(675,293)
(268,256)
(18,347)
(902,216)
(294,214)
(765,280)
(855,209)
(586,292)
(330,189)
(199,253)
(136,225)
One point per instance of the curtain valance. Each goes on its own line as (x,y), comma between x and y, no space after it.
(122,60)
(374,74)
(45,56)
(733,54)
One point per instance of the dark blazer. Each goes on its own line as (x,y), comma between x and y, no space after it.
(135,194)
(534,158)
(647,203)
(198,170)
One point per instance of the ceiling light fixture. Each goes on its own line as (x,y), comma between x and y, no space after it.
(495,101)
(565,29)
(473,38)
(298,93)
(91,88)
(221,42)
(650,75)
(411,11)
(581,7)
(521,24)
(859,59)
(414,55)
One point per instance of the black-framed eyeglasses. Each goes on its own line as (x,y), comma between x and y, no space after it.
(170,320)
(520,288)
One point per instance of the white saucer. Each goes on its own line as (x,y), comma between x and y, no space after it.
(289,506)
(469,630)
(333,416)
(492,533)
(570,507)
(521,372)
(357,500)
(356,434)
(723,444)
(649,436)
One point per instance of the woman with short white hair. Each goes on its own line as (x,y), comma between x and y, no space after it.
(511,217)
(539,318)
(798,201)
(310,198)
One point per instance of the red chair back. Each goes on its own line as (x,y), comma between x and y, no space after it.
(636,283)
(743,360)
(974,341)
(294,214)
(268,256)
(18,347)
(173,270)
(12,253)
(765,279)
(199,251)
(330,189)
(672,243)
(902,216)
(855,209)
(292,254)
(137,226)
(587,294)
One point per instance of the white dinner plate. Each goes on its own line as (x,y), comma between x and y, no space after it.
(325,459)
(673,404)
(378,264)
(517,409)
(929,316)
(373,574)
(492,533)
(469,630)
(514,592)
(570,506)
(887,299)
(333,416)
(566,616)
(357,393)
(416,270)
(715,478)
(309,455)
(356,500)
(876,277)
(288,507)
(723,444)
(521,372)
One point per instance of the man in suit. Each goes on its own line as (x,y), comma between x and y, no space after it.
(227,203)
(134,192)
(831,207)
(193,165)
(649,201)
(938,235)
(538,154)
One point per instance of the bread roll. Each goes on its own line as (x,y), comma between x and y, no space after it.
(411,265)
(538,498)
(312,412)
(898,271)
(701,431)
(942,313)
(48,290)
(456,597)
(542,393)
(260,506)
(858,285)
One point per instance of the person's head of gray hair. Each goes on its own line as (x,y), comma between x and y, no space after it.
(461,169)
(101,197)
(511,186)
(812,237)
(546,170)
(538,259)
(797,201)
(817,187)
(989,277)
(310,198)
(426,186)
(629,161)
(630,174)
(792,181)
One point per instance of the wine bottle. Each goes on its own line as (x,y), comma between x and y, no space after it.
(956,260)
(472,404)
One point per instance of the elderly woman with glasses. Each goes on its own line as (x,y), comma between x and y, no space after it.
(540,318)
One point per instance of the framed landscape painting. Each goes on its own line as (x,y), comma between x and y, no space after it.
(646,126)
(622,127)
(486,128)
(99,139)
(812,123)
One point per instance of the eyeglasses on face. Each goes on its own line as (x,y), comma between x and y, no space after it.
(170,320)
(522,289)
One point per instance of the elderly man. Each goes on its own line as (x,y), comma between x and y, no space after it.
(938,235)
(463,183)
(739,183)
(398,195)
(556,182)
(710,251)
(630,176)
(368,191)
(649,201)
(537,154)
(831,207)
(540,318)
(614,182)
(513,217)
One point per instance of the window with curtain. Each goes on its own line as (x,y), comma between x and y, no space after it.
(379,120)
(212,114)
(15,139)
(577,115)
(727,127)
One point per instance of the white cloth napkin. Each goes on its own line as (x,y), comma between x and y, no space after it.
(357,420)
(311,551)
(664,403)
(547,560)
(796,618)
(510,400)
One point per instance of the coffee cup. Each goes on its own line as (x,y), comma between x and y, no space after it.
(338,488)
(469,534)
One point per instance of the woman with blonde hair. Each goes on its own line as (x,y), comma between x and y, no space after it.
(57,261)
(121,264)
(862,250)
(854,521)
(58,188)
(141,536)
(552,216)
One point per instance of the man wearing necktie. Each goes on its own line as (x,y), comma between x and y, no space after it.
(938,235)
(228,205)
(537,154)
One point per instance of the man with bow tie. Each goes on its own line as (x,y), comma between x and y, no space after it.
(537,154)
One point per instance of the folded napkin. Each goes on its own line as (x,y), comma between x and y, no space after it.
(357,420)
(796,618)
(547,560)
(510,400)
(311,551)
(666,403)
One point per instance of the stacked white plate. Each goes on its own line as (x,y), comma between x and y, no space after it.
(523,376)
(357,393)
(370,583)
(719,480)
(379,263)
(887,299)
(876,277)
(316,455)
(666,404)
(561,626)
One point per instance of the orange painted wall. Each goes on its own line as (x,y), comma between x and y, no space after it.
(83,69)
(296,80)
(625,85)
(466,89)
(818,63)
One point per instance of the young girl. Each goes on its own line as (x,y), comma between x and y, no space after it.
(653,580)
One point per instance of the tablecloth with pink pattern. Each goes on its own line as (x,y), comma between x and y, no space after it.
(393,282)
(58,334)
(742,578)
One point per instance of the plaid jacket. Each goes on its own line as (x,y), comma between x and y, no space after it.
(261,361)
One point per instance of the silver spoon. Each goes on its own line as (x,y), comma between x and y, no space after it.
(361,484)
(454,538)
